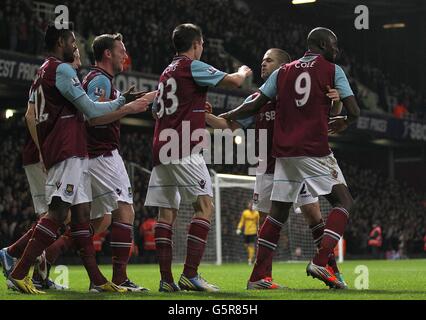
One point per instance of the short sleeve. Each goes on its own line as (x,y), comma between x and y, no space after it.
(68,83)
(341,83)
(205,75)
(269,88)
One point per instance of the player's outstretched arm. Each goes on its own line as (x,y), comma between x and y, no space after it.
(247,109)
(217,122)
(236,80)
(136,106)
(220,123)
(69,86)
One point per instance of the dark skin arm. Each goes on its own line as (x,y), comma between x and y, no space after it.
(247,109)
(336,126)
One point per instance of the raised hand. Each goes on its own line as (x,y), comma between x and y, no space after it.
(245,70)
(137,106)
(131,95)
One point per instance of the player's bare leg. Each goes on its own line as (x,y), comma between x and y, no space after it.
(269,234)
(164,248)
(262,217)
(101,224)
(121,244)
(196,243)
(342,201)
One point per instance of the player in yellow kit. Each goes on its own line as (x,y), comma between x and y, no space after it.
(250,222)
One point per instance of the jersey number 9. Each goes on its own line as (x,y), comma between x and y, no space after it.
(303,90)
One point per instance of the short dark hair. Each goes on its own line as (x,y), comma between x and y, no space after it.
(184,35)
(53,34)
(282,55)
(104,42)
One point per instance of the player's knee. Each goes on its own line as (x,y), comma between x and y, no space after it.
(311,213)
(124,213)
(80,213)
(348,203)
(205,207)
(280,211)
(167,215)
(58,210)
(101,224)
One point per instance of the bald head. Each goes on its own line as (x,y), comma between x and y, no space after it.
(324,41)
(272,60)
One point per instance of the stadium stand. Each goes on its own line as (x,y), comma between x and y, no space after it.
(149,52)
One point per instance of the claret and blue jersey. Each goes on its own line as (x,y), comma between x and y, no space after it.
(182,93)
(301,122)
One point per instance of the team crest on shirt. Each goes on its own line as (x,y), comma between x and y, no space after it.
(202,183)
(130,192)
(69,190)
(118,191)
(334,173)
(211,70)
(99,92)
(255,197)
(75,81)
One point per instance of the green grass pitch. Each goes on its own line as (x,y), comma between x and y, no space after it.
(404,279)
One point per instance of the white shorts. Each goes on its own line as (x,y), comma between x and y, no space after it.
(110,184)
(318,174)
(69,180)
(171,183)
(262,194)
(37,180)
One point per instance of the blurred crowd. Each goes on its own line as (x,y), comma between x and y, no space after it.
(396,207)
(233,34)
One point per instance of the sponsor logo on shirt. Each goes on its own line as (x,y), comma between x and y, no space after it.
(58,185)
(130,192)
(212,70)
(118,191)
(202,183)
(75,81)
(99,92)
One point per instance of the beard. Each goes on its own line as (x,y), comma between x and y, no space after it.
(69,56)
